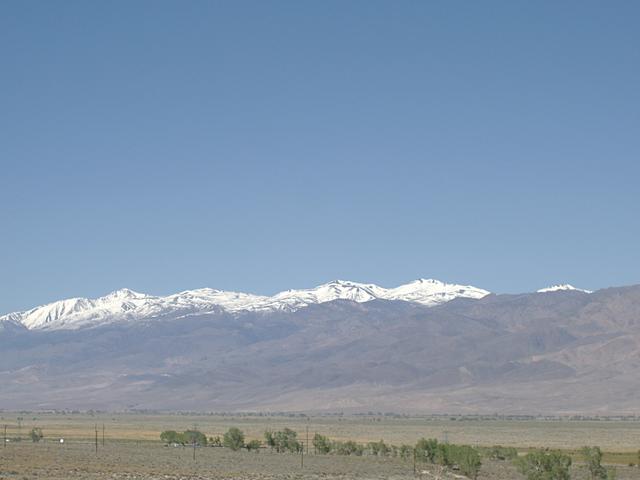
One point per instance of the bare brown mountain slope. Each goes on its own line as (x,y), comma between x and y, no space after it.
(557,352)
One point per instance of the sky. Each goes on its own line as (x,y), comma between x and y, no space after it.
(260,146)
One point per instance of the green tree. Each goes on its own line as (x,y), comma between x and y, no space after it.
(35,434)
(380,448)
(268,438)
(443,455)
(171,436)
(593,458)
(194,436)
(233,439)
(321,443)
(545,465)
(286,441)
(348,448)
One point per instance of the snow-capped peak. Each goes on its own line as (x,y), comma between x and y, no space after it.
(127,305)
(562,287)
(80,311)
(433,292)
(334,290)
(124,293)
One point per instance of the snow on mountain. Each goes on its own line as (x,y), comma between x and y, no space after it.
(562,287)
(203,298)
(425,292)
(335,290)
(76,312)
(432,292)
(127,305)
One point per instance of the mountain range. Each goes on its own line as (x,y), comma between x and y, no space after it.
(423,347)
(127,305)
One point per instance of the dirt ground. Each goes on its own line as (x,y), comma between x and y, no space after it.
(153,461)
(132,449)
(610,436)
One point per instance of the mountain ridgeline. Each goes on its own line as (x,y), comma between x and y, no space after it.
(126,305)
(423,347)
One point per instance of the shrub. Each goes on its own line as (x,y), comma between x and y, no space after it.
(467,458)
(545,465)
(322,444)
(268,437)
(380,448)
(498,452)
(35,434)
(233,439)
(348,448)
(405,451)
(593,457)
(426,450)
(254,445)
(395,451)
(443,455)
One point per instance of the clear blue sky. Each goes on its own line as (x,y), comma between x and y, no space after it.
(259,146)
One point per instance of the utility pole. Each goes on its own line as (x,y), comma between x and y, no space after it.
(194,448)
(414,461)
(5,436)
(96,438)
(307,438)
(302,456)
(103,434)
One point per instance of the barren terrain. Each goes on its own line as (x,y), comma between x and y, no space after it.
(132,449)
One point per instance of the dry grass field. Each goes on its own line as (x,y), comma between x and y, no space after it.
(611,436)
(132,449)
(152,461)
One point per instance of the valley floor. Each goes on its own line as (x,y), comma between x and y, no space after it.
(611,436)
(152,461)
(132,449)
